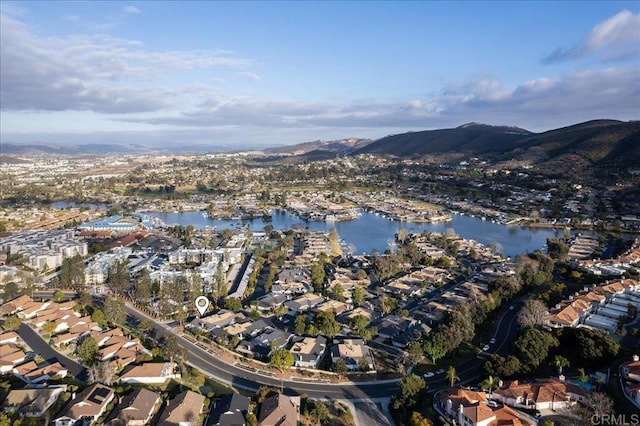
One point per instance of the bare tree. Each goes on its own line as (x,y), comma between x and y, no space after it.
(532,314)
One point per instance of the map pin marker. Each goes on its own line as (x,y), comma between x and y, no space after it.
(202,303)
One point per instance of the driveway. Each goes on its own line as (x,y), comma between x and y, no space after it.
(42,348)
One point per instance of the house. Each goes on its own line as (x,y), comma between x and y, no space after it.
(87,406)
(391,326)
(279,410)
(8,337)
(261,346)
(354,353)
(308,351)
(222,318)
(183,410)
(40,374)
(539,395)
(11,358)
(231,410)
(150,373)
(413,333)
(471,408)
(634,390)
(304,303)
(631,369)
(15,305)
(332,306)
(137,408)
(32,402)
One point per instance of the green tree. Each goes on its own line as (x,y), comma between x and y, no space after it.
(142,287)
(560,362)
(12,323)
(281,359)
(252,420)
(88,351)
(339,366)
(300,324)
(359,324)
(5,420)
(171,349)
(319,411)
(417,419)
(532,347)
(415,352)
(72,273)
(433,350)
(582,375)
(11,290)
(327,324)
(58,295)
(489,384)
(114,311)
(317,276)
(98,317)
(49,328)
(233,304)
(337,292)
(119,277)
(452,375)
(358,294)
(146,326)
(85,299)
(411,386)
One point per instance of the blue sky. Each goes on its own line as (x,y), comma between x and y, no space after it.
(268,73)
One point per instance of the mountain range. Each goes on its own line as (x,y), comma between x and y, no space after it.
(593,145)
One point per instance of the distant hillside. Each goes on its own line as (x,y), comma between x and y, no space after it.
(343,146)
(19,149)
(598,143)
(473,138)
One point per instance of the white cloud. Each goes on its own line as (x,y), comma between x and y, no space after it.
(131,10)
(537,104)
(615,39)
(96,73)
(250,76)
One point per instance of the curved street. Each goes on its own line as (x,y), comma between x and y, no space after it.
(209,364)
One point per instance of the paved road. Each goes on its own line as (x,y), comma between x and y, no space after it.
(371,413)
(235,376)
(209,364)
(42,348)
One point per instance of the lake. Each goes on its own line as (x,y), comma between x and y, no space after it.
(370,231)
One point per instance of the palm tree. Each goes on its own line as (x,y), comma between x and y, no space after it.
(490,383)
(452,375)
(583,376)
(559,362)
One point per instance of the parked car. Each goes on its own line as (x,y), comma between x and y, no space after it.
(493,340)
(428,374)
(485,348)
(440,371)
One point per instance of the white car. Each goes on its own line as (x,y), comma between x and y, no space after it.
(493,340)
(428,374)
(485,348)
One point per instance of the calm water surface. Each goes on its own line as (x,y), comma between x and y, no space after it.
(371,232)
